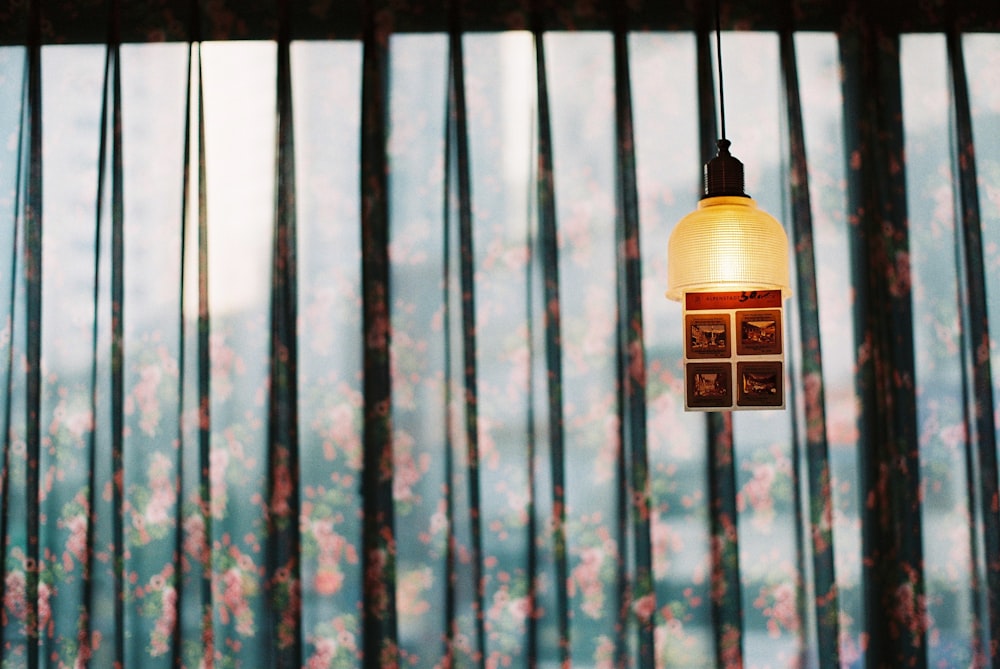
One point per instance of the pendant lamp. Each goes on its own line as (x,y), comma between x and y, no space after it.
(727,243)
(727,263)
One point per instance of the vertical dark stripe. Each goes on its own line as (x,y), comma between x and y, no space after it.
(726,594)
(981,447)
(468,292)
(451,549)
(283,439)
(804,593)
(889,459)
(553,343)
(118,351)
(180,602)
(531,434)
(19,185)
(379,610)
(84,629)
(204,380)
(632,360)
(795,204)
(817,454)
(33,348)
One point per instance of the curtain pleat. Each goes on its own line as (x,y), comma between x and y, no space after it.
(548,256)
(99,511)
(637,595)
(117,353)
(12,324)
(181,592)
(195,528)
(33,343)
(817,486)
(88,581)
(457,169)
(533,442)
(283,560)
(892,534)
(379,546)
(13,459)
(981,452)
(204,388)
(451,545)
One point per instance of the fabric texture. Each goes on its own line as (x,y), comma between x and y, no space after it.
(353,351)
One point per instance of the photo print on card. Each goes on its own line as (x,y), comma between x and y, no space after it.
(758,332)
(709,384)
(708,336)
(760,384)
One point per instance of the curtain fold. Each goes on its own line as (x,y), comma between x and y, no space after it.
(886,383)
(818,528)
(457,173)
(380,626)
(12,321)
(29,569)
(192,609)
(284,568)
(551,323)
(448,430)
(637,603)
(202,524)
(108,464)
(981,458)
(117,342)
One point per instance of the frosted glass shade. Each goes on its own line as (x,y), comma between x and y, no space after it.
(727,244)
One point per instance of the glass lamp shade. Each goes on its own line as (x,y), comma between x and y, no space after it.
(727,245)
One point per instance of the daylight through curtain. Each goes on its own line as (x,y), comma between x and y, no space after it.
(355,352)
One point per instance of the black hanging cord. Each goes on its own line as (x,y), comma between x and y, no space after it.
(718,60)
(724,172)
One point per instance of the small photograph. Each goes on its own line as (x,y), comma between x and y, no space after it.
(709,385)
(708,336)
(760,384)
(759,332)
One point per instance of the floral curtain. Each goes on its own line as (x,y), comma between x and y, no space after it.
(337,338)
